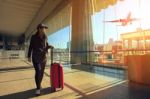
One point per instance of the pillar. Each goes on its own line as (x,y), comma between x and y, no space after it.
(82,37)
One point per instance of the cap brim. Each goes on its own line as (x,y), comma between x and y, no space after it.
(44,27)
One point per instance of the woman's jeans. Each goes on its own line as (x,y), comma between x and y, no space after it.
(39,71)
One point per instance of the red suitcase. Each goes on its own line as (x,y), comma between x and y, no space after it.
(56,75)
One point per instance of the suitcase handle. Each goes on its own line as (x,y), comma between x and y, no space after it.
(51,55)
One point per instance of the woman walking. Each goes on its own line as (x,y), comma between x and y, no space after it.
(38,49)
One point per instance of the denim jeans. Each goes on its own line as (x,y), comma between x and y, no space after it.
(39,71)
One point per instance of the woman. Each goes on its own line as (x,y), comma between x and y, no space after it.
(38,48)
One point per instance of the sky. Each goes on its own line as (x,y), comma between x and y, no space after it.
(60,38)
(102,32)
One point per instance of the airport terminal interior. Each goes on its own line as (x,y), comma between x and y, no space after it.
(102,45)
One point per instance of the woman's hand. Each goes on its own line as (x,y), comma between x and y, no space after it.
(50,47)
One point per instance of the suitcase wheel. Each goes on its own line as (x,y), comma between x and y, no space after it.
(53,89)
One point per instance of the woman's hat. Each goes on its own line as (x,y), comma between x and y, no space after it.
(42,26)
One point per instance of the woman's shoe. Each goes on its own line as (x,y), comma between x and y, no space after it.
(38,92)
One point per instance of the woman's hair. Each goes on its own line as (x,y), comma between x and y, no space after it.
(44,35)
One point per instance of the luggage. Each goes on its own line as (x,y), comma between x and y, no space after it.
(56,75)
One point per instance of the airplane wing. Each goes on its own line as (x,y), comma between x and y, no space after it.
(117,21)
(113,21)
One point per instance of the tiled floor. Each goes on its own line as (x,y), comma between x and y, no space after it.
(122,91)
(80,82)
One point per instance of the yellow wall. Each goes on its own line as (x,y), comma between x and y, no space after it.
(139,68)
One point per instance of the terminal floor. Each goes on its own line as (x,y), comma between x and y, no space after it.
(17,82)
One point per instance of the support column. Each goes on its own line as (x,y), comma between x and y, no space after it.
(82,36)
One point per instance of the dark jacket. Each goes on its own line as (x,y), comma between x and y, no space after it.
(38,48)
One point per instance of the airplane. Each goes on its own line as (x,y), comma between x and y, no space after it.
(125,21)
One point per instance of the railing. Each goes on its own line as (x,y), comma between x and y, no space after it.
(102,58)
(108,68)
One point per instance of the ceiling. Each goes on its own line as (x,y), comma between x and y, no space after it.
(22,16)
(16,16)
